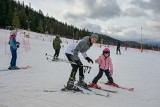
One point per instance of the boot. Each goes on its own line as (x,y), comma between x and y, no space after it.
(81,82)
(15,67)
(94,85)
(70,86)
(53,58)
(11,68)
(112,84)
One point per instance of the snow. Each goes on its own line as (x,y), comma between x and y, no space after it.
(25,88)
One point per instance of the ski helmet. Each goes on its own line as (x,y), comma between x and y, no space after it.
(106,50)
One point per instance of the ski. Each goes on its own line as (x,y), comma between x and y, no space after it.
(90,90)
(64,89)
(121,87)
(75,89)
(88,93)
(79,91)
(25,67)
(56,60)
(111,91)
(49,91)
(86,88)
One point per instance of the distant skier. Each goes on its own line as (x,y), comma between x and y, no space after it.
(57,46)
(118,48)
(72,51)
(105,66)
(126,46)
(13,48)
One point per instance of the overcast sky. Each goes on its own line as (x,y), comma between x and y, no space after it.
(120,19)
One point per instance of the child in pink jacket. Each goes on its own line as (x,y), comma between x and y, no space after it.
(106,66)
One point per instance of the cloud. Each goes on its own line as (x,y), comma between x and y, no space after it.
(114,29)
(134,12)
(153,5)
(94,9)
(92,27)
(153,25)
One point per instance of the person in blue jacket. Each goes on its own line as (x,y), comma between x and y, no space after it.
(13,48)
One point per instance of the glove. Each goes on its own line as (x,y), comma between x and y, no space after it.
(17,44)
(79,63)
(89,60)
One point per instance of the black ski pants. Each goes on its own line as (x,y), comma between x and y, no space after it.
(100,74)
(56,53)
(74,67)
(118,50)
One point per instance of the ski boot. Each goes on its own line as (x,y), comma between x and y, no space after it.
(11,68)
(81,82)
(15,67)
(70,86)
(53,58)
(94,85)
(57,58)
(112,84)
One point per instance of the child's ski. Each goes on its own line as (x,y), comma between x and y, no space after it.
(111,91)
(25,67)
(125,88)
(93,92)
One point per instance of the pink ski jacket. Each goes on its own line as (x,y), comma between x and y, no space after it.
(105,63)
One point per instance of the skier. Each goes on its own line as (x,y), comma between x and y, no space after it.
(118,48)
(13,48)
(56,45)
(105,66)
(72,52)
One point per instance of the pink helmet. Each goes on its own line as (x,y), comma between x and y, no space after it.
(106,50)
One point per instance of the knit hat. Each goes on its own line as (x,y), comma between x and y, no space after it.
(94,36)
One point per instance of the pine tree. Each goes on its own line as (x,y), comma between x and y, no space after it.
(40,27)
(15,20)
(2,13)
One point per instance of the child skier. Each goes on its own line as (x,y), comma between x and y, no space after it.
(13,48)
(106,66)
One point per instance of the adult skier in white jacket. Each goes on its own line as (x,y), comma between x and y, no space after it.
(72,52)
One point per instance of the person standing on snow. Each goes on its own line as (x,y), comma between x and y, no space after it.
(118,48)
(72,51)
(56,45)
(13,48)
(105,66)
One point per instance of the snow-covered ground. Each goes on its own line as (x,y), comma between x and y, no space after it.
(24,88)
